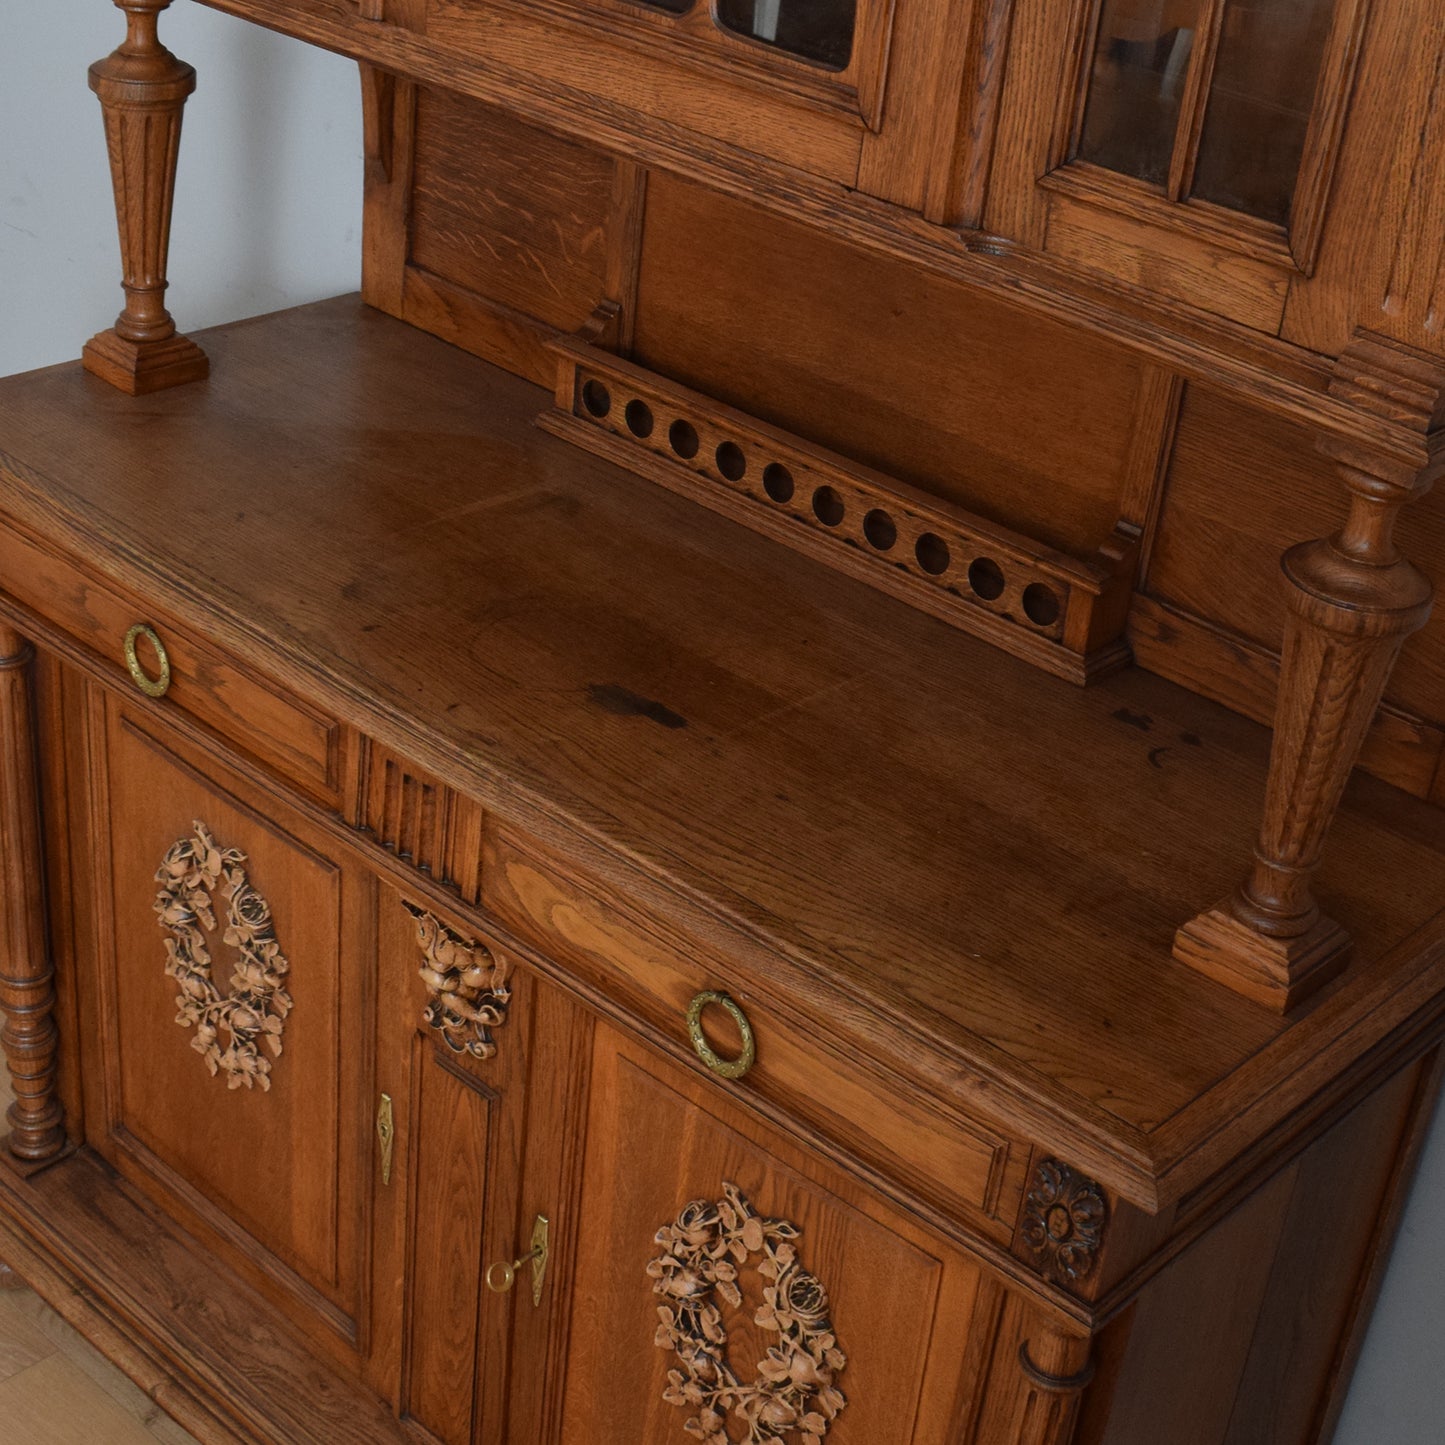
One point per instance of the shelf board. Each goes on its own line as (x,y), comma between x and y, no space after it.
(966,867)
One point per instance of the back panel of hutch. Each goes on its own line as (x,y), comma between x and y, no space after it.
(665,828)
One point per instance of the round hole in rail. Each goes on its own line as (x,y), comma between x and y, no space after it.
(778,482)
(880,530)
(596,398)
(1041,604)
(639,418)
(932,553)
(682,438)
(985,576)
(731,462)
(828,506)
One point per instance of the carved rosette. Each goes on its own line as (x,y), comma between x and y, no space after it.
(468,985)
(1063,1223)
(231,1027)
(794,1397)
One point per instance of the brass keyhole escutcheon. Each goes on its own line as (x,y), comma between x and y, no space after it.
(723,1068)
(386,1135)
(502,1275)
(159,685)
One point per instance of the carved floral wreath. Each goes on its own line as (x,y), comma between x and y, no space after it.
(794,1389)
(255,1009)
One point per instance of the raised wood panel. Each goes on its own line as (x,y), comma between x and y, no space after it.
(508,211)
(1274,1289)
(445,1345)
(269,1175)
(1021,421)
(1241,488)
(901,1304)
(451,1116)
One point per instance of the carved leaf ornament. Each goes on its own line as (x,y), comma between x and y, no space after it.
(1063,1223)
(230,1027)
(467,984)
(794,1397)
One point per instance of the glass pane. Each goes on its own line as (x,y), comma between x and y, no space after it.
(1140,62)
(1259,104)
(820,30)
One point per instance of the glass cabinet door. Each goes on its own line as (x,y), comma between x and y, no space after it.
(817,30)
(1208,99)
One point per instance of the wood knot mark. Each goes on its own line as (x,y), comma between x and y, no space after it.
(625,703)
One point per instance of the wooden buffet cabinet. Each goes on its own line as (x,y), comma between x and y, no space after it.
(644,834)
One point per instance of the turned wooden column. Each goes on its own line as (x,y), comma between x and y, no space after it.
(1056,1370)
(1037,1379)
(1353,600)
(143,90)
(27,989)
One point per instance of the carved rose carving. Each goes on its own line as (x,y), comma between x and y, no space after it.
(1063,1223)
(468,986)
(230,1027)
(794,1397)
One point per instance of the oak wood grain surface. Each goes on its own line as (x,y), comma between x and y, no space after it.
(855,799)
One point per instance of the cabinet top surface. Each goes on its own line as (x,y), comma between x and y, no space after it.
(932,845)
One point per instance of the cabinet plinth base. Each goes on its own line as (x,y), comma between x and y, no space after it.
(139,368)
(1276,972)
(149,1298)
(29,1168)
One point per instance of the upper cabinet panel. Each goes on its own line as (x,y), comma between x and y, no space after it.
(800,82)
(1187,147)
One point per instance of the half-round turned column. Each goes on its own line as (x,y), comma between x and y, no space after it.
(143,90)
(27,987)
(1353,600)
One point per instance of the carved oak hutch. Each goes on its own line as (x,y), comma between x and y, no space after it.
(667,827)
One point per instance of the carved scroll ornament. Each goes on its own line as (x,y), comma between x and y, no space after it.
(468,985)
(794,1397)
(230,1027)
(1064,1219)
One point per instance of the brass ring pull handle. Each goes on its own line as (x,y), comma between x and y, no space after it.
(502,1275)
(157,686)
(723,1068)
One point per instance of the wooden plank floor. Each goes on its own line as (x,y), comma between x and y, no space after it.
(55,1389)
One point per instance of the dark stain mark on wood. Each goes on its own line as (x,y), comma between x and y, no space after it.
(1140,720)
(625,703)
(1193,739)
(1156,757)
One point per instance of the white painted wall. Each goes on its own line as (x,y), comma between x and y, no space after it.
(268,215)
(268,206)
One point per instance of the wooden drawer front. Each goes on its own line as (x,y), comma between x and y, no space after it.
(959,1165)
(292,739)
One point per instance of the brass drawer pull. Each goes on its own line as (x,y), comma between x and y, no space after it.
(723,1068)
(502,1275)
(152,686)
